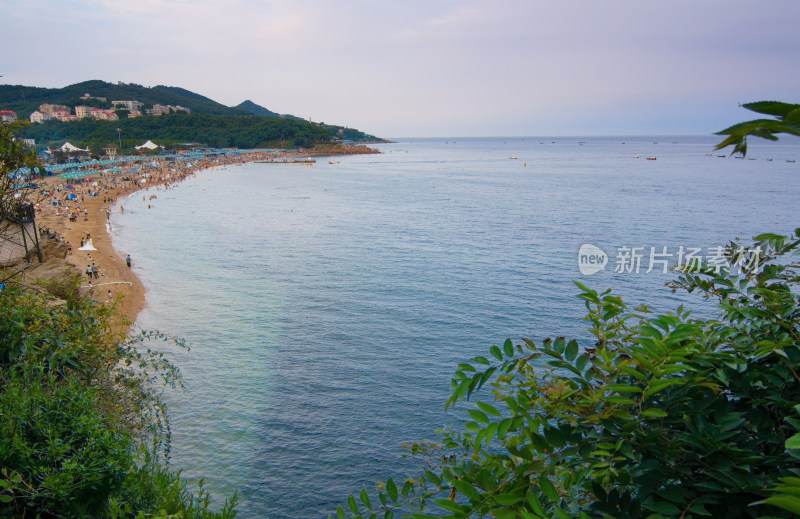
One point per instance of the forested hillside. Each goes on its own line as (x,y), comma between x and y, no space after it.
(25,99)
(172,129)
(210,123)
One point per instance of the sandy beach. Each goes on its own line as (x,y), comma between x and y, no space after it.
(91,212)
(87,217)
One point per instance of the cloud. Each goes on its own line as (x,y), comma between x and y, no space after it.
(448,65)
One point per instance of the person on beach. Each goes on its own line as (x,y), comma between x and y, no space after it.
(95,272)
(89,272)
(128,260)
(110,297)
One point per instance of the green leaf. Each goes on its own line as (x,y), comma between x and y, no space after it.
(448,505)
(623,388)
(776,108)
(408,486)
(790,503)
(533,502)
(561,513)
(652,332)
(633,372)
(620,400)
(793,442)
(478,416)
(433,477)
(507,498)
(548,489)
(488,409)
(572,350)
(365,499)
(504,426)
(581,362)
(391,490)
(508,347)
(657,385)
(496,353)
(654,413)
(351,501)
(468,490)
(340,512)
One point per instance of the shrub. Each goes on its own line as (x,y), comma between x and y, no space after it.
(664,416)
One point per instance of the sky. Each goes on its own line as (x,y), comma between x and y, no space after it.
(433,68)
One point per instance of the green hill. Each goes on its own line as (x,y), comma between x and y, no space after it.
(217,131)
(255,109)
(25,99)
(247,125)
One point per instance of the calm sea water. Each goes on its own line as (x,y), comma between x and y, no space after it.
(327,306)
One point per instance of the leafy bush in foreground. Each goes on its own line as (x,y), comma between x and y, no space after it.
(83,429)
(665,416)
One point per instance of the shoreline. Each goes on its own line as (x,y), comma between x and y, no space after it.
(116,283)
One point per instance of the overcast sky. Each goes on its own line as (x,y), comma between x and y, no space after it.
(411,68)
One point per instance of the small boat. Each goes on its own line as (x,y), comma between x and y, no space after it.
(636,156)
(789,160)
(651,158)
(333,162)
(513,158)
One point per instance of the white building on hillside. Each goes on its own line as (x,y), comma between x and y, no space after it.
(39,117)
(127,105)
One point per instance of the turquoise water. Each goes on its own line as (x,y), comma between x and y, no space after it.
(327,306)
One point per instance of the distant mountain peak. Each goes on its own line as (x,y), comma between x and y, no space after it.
(256,109)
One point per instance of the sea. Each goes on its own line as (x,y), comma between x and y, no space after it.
(327,306)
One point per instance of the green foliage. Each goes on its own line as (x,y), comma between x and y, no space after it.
(176,128)
(15,157)
(163,494)
(14,154)
(83,429)
(25,100)
(663,416)
(236,126)
(787,120)
(60,455)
